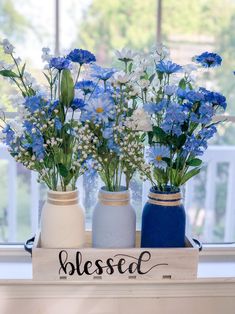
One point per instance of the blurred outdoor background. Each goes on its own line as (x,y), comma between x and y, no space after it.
(187,27)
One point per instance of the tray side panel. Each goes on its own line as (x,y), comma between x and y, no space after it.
(117,264)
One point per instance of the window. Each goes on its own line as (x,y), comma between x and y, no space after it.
(187,28)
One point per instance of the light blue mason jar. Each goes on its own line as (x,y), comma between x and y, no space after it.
(113,220)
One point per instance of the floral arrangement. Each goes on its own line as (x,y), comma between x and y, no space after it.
(46,136)
(94,117)
(181,114)
(118,149)
(74,124)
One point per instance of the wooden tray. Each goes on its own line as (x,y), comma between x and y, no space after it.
(90,264)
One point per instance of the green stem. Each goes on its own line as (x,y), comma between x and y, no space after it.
(20,74)
(79,70)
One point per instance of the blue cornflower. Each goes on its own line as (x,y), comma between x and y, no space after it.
(194,96)
(191,95)
(195,146)
(59,63)
(81,56)
(208,59)
(78,103)
(152,107)
(10,135)
(86,86)
(168,67)
(34,103)
(99,109)
(58,124)
(102,73)
(216,99)
(155,155)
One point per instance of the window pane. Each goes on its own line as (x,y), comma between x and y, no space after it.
(188,28)
(29,25)
(192,27)
(103,26)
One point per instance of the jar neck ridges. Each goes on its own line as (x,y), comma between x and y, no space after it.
(62,198)
(165,199)
(114,198)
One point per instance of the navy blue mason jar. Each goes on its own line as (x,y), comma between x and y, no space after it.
(163,220)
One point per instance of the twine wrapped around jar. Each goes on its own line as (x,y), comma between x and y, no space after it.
(165,199)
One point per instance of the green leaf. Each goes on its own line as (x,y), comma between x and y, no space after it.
(189,175)
(151,78)
(150,137)
(182,83)
(159,133)
(67,88)
(130,67)
(23,69)
(69,177)
(167,160)
(160,75)
(47,78)
(160,175)
(8,73)
(195,162)
(63,170)
(180,141)
(190,86)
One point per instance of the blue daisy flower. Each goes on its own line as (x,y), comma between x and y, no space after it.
(99,109)
(155,155)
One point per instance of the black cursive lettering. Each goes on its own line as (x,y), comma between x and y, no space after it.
(109,266)
(98,266)
(63,257)
(99,269)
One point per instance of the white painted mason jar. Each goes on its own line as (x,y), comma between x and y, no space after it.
(62,221)
(113,220)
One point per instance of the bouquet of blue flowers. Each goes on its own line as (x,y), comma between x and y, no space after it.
(118,150)
(181,114)
(48,136)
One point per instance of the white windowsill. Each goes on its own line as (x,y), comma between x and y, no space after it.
(216,278)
